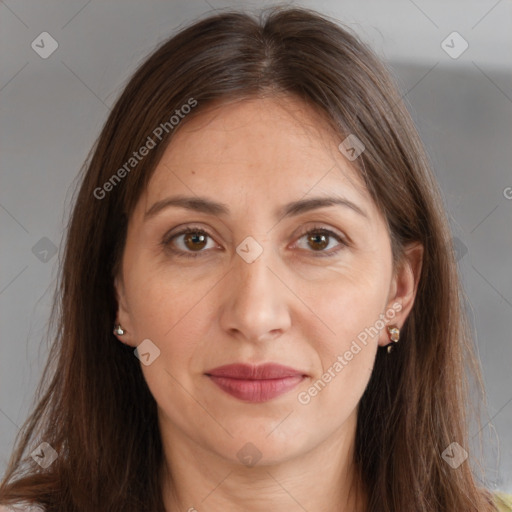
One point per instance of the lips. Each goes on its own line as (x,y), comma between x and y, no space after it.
(255,383)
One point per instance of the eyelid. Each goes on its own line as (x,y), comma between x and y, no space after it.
(180,231)
(330,232)
(318,226)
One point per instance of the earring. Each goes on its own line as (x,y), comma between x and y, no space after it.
(394,334)
(118,330)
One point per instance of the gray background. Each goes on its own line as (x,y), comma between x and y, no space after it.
(52,110)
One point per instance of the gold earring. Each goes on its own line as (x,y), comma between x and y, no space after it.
(118,330)
(394,334)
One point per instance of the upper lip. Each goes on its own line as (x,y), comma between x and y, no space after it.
(254,372)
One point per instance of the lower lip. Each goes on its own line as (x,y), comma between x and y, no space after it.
(256,390)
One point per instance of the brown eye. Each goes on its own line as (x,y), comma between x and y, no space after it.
(318,239)
(195,240)
(189,242)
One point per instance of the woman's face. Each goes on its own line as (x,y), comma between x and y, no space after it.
(266,276)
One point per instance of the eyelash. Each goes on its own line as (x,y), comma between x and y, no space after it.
(166,242)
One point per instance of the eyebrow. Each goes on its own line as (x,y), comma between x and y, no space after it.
(208,206)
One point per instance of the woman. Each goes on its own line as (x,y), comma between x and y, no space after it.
(259,223)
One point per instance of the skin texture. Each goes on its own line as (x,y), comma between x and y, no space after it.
(289,306)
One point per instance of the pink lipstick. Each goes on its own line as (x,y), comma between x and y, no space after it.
(255,383)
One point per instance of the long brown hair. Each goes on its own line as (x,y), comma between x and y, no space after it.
(95,408)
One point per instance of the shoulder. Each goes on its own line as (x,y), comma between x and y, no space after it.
(21,507)
(503,501)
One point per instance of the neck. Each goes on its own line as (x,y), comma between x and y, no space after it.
(196,480)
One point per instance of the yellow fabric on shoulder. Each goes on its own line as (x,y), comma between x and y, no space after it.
(503,501)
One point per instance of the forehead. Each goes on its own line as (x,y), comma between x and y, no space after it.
(265,148)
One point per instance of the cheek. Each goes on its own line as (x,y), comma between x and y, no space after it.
(333,397)
(174,317)
(346,301)
(176,314)
(345,341)
(345,358)
(158,300)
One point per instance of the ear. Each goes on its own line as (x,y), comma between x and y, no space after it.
(403,289)
(123,315)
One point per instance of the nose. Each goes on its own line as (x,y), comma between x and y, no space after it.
(254,301)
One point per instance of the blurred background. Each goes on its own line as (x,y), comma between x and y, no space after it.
(64,64)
